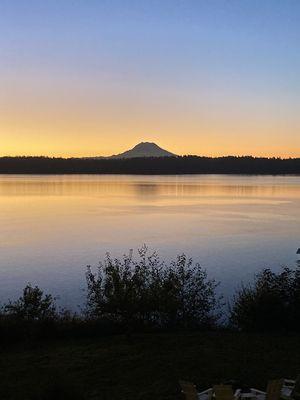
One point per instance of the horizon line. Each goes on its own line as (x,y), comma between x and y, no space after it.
(95,157)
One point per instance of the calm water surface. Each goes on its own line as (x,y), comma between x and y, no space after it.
(51,227)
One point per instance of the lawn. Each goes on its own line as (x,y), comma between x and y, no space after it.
(145,366)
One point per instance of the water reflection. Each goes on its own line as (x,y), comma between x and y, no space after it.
(149,186)
(52,226)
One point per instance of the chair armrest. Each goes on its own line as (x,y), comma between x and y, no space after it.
(256,391)
(207,392)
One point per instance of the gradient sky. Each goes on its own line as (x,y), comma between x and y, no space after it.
(94,77)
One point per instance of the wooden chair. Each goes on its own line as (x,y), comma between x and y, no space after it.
(273,390)
(189,390)
(223,392)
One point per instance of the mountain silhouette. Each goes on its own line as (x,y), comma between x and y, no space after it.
(144,149)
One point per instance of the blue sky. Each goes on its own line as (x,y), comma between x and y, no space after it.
(214,76)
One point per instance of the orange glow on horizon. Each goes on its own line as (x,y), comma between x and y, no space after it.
(73,120)
(77,145)
(199,149)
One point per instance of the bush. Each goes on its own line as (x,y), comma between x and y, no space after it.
(145,293)
(148,293)
(32,306)
(32,316)
(271,303)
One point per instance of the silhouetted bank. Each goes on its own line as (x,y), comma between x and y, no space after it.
(158,165)
(147,294)
(146,325)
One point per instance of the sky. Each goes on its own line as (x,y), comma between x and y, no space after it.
(95,77)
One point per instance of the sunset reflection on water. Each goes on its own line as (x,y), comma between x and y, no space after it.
(52,226)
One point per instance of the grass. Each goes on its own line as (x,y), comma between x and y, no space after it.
(145,366)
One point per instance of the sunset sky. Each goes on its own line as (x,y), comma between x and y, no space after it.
(95,77)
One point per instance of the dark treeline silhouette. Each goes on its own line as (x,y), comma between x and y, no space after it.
(147,295)
(159,165)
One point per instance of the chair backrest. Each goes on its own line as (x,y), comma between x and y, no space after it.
(274,389)
(189,390)
(296,391)
(223,392)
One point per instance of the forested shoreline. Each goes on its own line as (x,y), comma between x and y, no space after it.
(151,166)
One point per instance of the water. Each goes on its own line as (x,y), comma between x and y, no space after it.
(51,227)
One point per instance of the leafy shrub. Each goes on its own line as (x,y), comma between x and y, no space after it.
(32,316)
(148,292)
(33,305)
(271,303)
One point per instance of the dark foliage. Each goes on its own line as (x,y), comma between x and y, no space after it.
(272,303)
(148,293)
(159,165)
(33,305)
(33,315)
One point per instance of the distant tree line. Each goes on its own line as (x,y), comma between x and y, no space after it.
(146,294)
(160,165)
